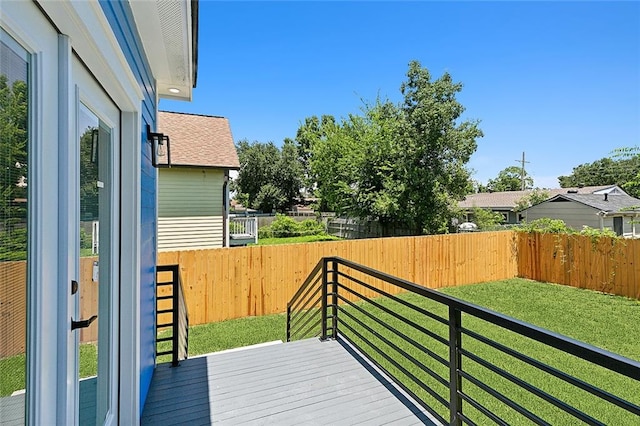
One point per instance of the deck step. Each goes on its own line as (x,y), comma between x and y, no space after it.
(165,311)
(165,339)
(164,297)
(169,324)
(164,353)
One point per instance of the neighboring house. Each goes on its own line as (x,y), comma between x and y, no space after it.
(505,202)
(94,71)
(620,213)
(193,194)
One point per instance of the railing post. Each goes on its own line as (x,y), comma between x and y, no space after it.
(455,365)
(334,299)
(175,314)
(324,299)
(288,322)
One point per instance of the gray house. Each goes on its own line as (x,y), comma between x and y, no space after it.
(618,212)
(505,202)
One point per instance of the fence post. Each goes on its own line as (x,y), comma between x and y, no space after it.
(324,299)
(455,365)
(334,299)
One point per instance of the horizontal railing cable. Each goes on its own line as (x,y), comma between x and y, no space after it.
(309,308)
(534,390)
(383,293)
(399,317)
(306,283)
(310,314)
(437,397)
(403,336)
(411,358)
(502,398)
(600,393)
(392,334)
(313,288)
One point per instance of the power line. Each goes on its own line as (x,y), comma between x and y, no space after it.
(522,172)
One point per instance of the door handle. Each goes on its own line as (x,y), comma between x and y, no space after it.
(82,323)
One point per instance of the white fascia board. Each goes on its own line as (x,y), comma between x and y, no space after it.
(93,40)
(150,23)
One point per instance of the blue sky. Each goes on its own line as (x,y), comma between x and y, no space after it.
(559,81)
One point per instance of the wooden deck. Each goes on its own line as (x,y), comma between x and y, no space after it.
(12,407)
(304,382)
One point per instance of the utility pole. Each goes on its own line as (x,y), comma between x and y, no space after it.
(522,186)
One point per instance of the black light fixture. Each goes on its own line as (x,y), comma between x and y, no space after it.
(160,147)
(94,146)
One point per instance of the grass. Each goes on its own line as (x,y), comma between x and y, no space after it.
(12,369)
(292,240)
(598,319)
(231,334)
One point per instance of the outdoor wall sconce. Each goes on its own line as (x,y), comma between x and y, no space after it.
(94,146)
(160,147)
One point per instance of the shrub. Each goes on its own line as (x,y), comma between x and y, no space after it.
(285,226)
(597,233)
(545,225)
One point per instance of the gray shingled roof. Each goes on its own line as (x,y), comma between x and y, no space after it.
(507,200)
(199,140)
(612,204)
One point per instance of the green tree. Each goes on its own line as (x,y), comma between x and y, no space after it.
(269,198)
(88,176)
(510,179)
(14,168)
(312,131)
(486,219)
(619,170)
(630,157)
(534,197)
(403,165)
(271,178)
(258,163)
(289,175)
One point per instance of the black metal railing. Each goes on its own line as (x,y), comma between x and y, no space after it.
(461,362)
(179,323)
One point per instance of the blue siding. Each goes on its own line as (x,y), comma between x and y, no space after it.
(120,18)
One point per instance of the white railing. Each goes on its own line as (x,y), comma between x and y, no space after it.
(243,230)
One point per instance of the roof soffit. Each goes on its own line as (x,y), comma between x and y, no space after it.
(165,28)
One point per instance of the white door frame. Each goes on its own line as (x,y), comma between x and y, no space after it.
(89,93)
(51,137)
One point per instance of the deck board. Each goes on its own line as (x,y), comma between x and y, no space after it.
(304,382)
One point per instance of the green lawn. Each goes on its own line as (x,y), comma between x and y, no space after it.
(12,369)
(599,319)
(292,240)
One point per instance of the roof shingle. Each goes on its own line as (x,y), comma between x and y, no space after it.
(199,140)
(608,204)
(508,199)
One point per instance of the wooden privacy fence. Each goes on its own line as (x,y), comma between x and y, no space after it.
(13,305)
(607,265)
(230,283)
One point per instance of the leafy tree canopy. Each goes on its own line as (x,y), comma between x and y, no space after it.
(622,170)
(534,197)
(270,178)
(14,167)
(486,219)
(403,165)
(632,155)
(510,179)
